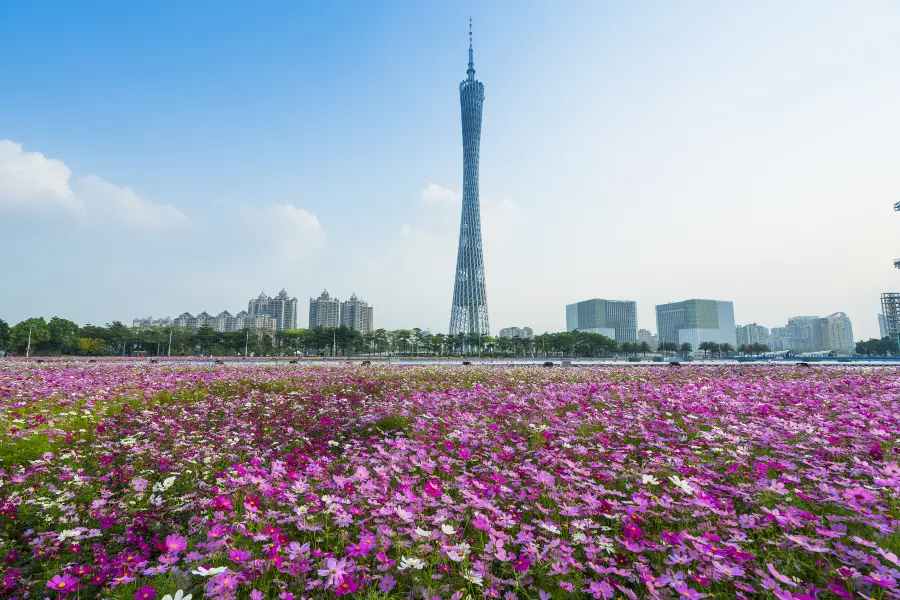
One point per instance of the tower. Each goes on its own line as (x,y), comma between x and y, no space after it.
(469,313)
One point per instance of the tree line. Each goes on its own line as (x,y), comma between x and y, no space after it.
(60,336)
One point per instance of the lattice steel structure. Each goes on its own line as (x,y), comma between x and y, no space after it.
(469,313)
(890,308)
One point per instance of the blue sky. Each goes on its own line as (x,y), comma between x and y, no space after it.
(171,156)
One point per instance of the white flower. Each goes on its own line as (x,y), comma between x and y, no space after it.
(649,480)
(333,443)
(458,553)
(164,485)
(448,529)
(422,533)
(550,527)
(179,595)
(473,577)
(67,534)
(682,483)
(209,572)
(403,514)
(415,563)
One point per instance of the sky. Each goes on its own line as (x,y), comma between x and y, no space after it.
(161,157)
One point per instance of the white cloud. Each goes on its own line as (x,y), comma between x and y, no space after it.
(499,218)
(288,232)
(106,200)
(435,194)
(30,178)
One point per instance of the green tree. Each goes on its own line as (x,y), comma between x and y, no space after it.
(204,338)
(62,335)
(645,348)
(685,349)
(90,346)
(4,334)
(40,334)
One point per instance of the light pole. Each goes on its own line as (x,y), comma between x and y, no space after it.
(28,348)
(169,351)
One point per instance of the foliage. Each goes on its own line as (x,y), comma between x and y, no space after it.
(4,334)
(873,347)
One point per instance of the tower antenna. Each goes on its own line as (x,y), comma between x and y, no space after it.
(471,71)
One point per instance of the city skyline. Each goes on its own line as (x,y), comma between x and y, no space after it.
(697,167)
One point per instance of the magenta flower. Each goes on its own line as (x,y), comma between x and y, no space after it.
(139,484)
(883,581)
(63,583)
(687,592)
(545,478)
(147,592)
(239,556)
(859,495)
(522,563)
(433,488)
(176,543)
(480,523)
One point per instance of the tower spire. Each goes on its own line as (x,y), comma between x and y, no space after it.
(471,71)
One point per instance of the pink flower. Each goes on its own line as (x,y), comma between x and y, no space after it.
(433,488)
(148,592)
(256,595)
(176,543)
(782,578)
(386,583)
(686,592)
(545,478)
(859,495)
(63,583)
(334,571)
(237,555)
(480,523)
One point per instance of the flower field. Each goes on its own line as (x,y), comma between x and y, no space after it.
(149,481)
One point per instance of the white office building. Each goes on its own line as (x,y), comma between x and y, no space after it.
(696,321)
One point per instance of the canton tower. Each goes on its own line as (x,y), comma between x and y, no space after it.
(469,314)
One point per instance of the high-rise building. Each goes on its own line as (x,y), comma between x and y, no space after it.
(644,335)
(751,334)
(224,322)
(357,314)
(890,308)
(259,322)
(616,319)
(151,322)
(833,332)
(324,311)
(186,320)
(882,327)
(281,308)
(523,333)
(696,321)
(205,319)
(469,311)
